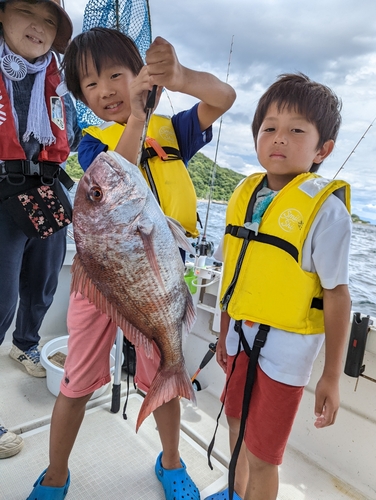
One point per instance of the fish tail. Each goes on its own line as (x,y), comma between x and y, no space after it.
(165,387)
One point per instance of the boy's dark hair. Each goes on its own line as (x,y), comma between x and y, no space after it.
(316,102)
(101,45)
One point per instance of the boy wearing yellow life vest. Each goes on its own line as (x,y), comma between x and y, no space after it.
(285,283)
(104,69)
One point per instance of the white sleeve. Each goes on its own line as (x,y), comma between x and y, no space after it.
(218,253)
(327,247)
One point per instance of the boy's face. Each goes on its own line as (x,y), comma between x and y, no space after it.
(108,94)
(29,29)
(287,146)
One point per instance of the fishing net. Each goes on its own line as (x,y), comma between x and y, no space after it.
(131,17)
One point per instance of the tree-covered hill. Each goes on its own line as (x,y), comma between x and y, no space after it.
(201,171)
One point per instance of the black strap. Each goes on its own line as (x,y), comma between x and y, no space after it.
(172,154)
(253,354)
(65,179)
(211,444)
(317,303)
(16,170)
(250,235)
(129,348)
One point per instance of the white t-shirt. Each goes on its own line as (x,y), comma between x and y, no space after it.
(288,357)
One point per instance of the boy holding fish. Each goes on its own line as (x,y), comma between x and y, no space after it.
(104,69)
(285,283)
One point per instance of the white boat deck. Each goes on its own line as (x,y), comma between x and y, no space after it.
(110,460)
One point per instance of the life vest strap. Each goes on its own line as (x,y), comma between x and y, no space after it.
(317,303)
(171,154)
(48,171)
(253,355)
(250,235)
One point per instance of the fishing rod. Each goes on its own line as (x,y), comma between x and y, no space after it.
(204,247)
(131,17)
(356,145)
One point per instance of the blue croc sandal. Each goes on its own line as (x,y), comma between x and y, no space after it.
(223,495)
(41,492)
(177,483)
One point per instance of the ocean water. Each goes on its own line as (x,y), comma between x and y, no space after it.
(362,254)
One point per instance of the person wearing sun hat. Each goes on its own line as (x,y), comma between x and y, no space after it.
(38,129)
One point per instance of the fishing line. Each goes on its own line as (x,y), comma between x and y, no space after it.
(132,18)
(356,145)
(205,248)
(216,149)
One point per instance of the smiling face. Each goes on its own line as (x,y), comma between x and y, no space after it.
(287,145)
(107,94)
(29,29)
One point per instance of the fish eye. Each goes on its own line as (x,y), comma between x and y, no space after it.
(95,193)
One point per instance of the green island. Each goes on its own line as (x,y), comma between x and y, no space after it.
(358,220)
(201,171)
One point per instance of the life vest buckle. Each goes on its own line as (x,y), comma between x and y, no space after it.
(157,148)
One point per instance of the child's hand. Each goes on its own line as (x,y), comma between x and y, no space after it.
(163,65)
(221,353)
(327,402)
(138,94)
(139,90)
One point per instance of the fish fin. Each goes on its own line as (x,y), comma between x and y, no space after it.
(166,386)
(145,230)
(81,283)
(190,313)
(135,336)
(178,232)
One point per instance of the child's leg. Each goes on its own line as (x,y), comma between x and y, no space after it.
(242,468)
(263,479)
(169,468)
(271,414)
(167,418)
(86,368)
(66,420)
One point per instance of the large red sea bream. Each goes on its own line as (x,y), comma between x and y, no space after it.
(128,263)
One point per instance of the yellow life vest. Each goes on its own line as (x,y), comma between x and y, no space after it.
(162,167)
(263,280)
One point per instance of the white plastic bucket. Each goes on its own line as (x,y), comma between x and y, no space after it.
(55,373)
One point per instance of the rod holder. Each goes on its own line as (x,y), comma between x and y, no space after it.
(357,345)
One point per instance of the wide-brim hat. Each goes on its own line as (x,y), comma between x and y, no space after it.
(65,27)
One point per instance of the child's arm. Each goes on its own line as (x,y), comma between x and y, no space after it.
(221,353)
(165,70)
(337,307)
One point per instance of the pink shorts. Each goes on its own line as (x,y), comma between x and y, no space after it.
(91,337)
(272,410)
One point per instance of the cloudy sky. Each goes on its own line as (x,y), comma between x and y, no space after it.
(333,42)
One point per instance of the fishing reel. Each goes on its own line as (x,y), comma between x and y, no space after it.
(204,248)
